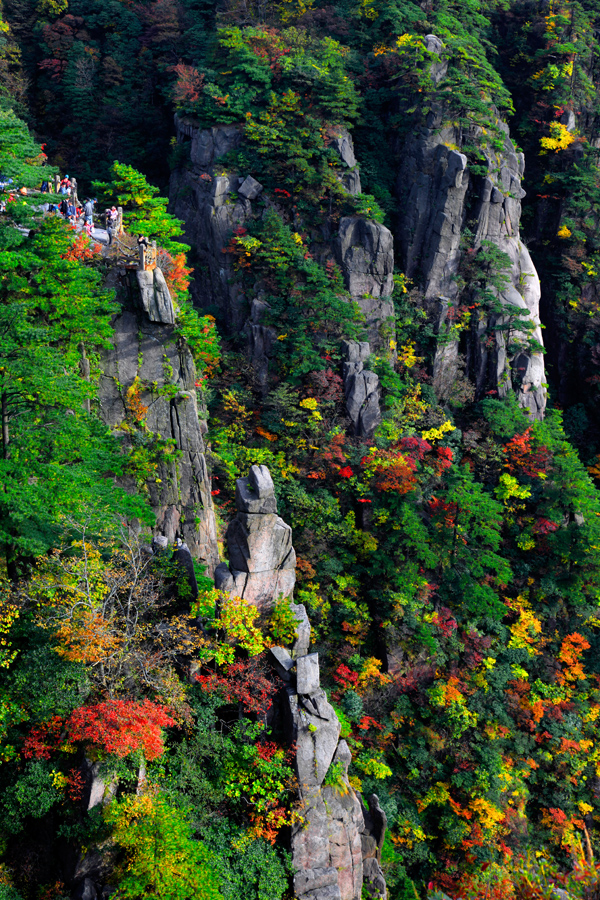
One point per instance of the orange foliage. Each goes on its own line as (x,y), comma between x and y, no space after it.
(570,651)
(81,249)
(522,457)
(88,640)
(133,401)
(175,271)
(394,471)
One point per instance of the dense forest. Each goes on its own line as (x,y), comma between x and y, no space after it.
(300,496)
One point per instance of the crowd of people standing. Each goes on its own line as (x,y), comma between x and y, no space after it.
(66,204)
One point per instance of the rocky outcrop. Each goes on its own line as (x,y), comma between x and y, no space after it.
(336,848)
(439,195)
(341,140)
(262,561)
(337,845)
(365,252)
(361,388)
(147,397)
(155,296)
(261,340)
(212,203)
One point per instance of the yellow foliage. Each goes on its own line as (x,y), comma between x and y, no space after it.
(564,232)
(560,138)
(489,815)
(436,434)
(237,620)
(232,405)
(9,613)
(407,356)
(87,637)
(371,674)
(366,9)
(524,632)
(293,9)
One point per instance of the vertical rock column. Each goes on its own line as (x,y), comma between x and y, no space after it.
(439,196)
(262,561)
(336,848)
(148,357)
(365,252)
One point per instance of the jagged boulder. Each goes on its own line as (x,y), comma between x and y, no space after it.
(315,728)
(262,560)
(374,880)
(341,140)
(155,296)
(365,252)
(361,388)
(303,630)
(207,145)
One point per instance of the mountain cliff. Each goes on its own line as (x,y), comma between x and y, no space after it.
(300,506)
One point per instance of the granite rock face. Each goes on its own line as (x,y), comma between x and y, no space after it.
(438,196)
(341,140)
(337,848)
(262,560)
(361,388)
(179,493)
(155,296)
(365,252)
(213,203)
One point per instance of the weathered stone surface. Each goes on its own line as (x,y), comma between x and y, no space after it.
(326,849)
(302,642)
(344,841)
(317,745)
(205,202)
(223,578)
(356,354)
(180,493)
(262,589)
(256,492)
(366,253)
(208,145)
(373,879)
(100,790)
(437,194)
(343,755)
(86,890)
(155,296)
(283,662)
(250,188)
(362,401)
(375,824)
(341,141)
(307,674)
(262,560)
(159,543)
(260,543)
